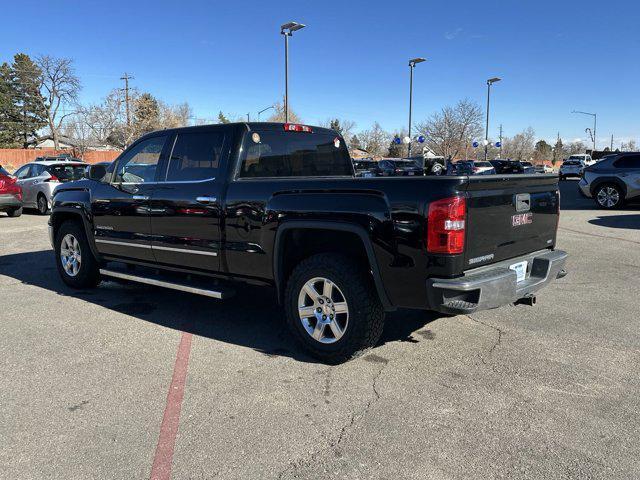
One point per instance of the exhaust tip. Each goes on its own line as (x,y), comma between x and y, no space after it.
(527,300)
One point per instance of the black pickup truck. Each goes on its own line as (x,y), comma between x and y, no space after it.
(200,209)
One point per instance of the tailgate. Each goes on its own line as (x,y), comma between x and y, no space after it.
(509,216)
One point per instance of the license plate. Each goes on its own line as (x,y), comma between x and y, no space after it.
(411,173)
(521,270)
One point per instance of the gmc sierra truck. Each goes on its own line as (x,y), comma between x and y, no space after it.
(200,209)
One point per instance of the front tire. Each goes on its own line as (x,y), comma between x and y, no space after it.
(609,196)
(76,264)
(42,204)
(15,213)
(332,308)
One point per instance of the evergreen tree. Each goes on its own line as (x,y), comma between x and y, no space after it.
(354,142)
(9,134)
(146,114)
(335,125)
(29,101)
(222,118)
(396,150)
(558,151)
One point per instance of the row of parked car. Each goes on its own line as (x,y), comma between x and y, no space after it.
(409,167)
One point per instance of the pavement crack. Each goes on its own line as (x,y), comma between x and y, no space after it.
(334,446)
(498,341)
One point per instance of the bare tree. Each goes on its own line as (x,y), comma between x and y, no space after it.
(278,115)
(576,146)
(174,116)
(520,146)
(342,126)
(60,87)
(450,130)
(375,140)
(106,120)
(78,129)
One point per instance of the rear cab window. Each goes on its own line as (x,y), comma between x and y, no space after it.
(273,153)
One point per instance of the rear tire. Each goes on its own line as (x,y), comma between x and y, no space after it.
(15,213)
(351,317)
(609,196)
(42,204)
(75,261)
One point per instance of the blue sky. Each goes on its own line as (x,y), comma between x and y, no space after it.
(351,60)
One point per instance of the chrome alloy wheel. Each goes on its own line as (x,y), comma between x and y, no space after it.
(323,310)
(70,256)
(608,197)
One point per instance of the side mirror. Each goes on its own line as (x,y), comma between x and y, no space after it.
(97,172)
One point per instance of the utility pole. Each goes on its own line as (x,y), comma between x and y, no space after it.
(500,140)
(126,79)
(412,64)
(490,82)
(611,147)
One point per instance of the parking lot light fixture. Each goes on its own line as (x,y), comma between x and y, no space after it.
(264,110)
(287,30)
(412,64)
(490,82)
(595,121)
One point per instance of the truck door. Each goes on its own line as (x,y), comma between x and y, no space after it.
(121,208)
(185,207)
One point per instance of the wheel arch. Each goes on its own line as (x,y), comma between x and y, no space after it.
(62,214)
(352,238)
(603,180)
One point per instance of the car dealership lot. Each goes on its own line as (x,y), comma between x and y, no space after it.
(126,381)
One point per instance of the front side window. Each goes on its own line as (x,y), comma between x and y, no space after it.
(195,156)
(139,164)
(287,154)
(23,172)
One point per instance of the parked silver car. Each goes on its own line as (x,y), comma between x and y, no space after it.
(40,178)
(571,168)
(613,180)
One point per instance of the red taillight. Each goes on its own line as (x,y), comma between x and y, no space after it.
(446,225)
(52,178)
(294,127)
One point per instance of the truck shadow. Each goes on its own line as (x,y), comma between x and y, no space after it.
(251,318)
(629,222)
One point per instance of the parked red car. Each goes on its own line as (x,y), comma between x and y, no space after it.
(10,194)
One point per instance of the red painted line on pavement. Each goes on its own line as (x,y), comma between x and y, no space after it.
(163,458)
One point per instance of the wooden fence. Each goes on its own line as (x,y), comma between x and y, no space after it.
(16,157)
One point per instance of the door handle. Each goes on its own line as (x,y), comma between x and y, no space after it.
(140,198)
(206,199)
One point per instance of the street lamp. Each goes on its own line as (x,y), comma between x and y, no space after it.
(595,120)
(264,110)
(490,82)
(287,30)
(412,64)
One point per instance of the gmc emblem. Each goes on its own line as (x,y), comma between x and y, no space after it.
(521,219)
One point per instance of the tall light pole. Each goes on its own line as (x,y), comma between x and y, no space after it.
(595,121)
(287,30)
(490,82)
(412,64)
(264,110)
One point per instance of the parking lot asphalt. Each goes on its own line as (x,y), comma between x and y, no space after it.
(128,381)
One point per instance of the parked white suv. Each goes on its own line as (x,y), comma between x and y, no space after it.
(585,158)
(571,168)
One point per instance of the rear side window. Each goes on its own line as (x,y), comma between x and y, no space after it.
(283,154)
(628,161)
(195,156)
(4,172)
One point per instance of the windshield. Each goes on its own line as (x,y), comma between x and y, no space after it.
(576,157)
(403,163)
(571,162)
(527,164)
(67,173)
(482,164)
